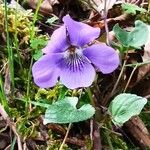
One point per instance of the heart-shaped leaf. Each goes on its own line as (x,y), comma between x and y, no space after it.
(135,38)
(132,8)
(65,111)
(124,106)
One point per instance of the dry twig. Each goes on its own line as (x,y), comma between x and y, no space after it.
(11,124)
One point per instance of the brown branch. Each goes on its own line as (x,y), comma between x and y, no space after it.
(137,130)
(75,141)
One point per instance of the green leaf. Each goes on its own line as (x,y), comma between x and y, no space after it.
(132,8)
(139,35)
(124,106)
(41,104)
(65,111)
(37,55)
(52,20)
(121,35)
(135,38)
(62,92)
(37,43)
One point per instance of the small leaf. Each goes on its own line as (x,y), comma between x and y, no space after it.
(37,43)
(52,20)
(37,55)
(139,35)
(65,111)
(121,35)
(124,106)
(135,38)
(131,8)
(62,92)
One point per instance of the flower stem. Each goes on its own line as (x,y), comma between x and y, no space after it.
(65,138)
(69,126)
(130,78)
(139,64)
(90,96)
(120,75)
(31,63)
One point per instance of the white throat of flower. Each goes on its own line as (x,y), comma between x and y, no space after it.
(73,52)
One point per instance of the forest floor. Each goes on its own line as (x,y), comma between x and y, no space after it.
(26,28)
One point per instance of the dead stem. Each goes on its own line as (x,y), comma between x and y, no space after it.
(147,96)
(11,125)
(105,22)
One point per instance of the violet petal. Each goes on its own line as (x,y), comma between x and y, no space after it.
(45,71)
(58,42)
(105,58)
(76,73)
(80,33)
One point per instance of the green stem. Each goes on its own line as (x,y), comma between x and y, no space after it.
(2,95)
(139,64)
(74,92)
(31,63)
(9,48)
(93,104)
(109,141)
(13,143)
(90,96)
(130,78)
(28,86)
(120,75)
(35,19)
(16,38)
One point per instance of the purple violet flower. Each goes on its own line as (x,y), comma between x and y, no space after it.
(71,55)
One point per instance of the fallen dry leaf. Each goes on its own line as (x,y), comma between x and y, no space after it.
(99,4)
(46,6)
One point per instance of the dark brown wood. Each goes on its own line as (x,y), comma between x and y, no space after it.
(137,130)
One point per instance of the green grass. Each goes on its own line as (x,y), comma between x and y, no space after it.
(9,49)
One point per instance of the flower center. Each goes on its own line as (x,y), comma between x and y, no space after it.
(73,51)
(73,58)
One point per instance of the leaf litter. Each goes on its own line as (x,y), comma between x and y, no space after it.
(29,34)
